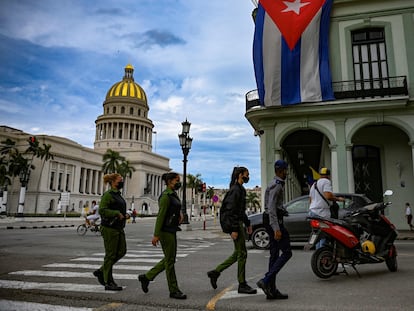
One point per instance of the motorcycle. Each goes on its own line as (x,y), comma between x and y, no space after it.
(363,236)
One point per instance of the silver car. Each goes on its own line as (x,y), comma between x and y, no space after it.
(296,223)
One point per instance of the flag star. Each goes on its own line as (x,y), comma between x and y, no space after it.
(294,6)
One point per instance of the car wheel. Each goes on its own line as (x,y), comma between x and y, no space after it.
(260,238)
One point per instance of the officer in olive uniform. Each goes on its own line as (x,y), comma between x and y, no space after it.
(113,215)
(168,219)
(233,220)
(278,235)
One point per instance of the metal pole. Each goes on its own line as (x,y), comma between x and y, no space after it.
(184,204)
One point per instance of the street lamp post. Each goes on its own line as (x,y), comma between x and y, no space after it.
(185,143)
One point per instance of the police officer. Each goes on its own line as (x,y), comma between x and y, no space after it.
(166,226)
(113,217)
(278,235)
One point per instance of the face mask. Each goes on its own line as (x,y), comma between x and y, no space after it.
(120,185)
(177,186)
(245,179)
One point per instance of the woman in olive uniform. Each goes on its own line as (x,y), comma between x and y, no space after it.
(166,226)
(113,216)
(233,220)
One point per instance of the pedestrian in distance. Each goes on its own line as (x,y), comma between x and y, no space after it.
(165,232)
(278,235)
(93,217)
(113,213)
(233,218)
(409,215)
(321,198)
(134,215)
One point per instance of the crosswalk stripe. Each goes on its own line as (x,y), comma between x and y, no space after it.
(22,306)
(70,274)
(67,287)
(94,267)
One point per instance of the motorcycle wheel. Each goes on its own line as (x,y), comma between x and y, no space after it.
(323,263)
(82,229)
(391,262)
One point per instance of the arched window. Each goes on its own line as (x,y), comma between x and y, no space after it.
(114,110)
(131,110)
(122,110)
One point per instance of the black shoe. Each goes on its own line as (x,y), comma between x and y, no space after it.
(266,289)
(244,288)
(99,275)
(113,286)
(144,282)
(279,295)
(178,295)
(213,275)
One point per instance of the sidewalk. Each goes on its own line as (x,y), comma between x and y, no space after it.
(59,222)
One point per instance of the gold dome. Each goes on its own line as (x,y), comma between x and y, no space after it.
(127,88)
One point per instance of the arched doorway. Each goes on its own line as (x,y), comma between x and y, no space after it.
(305,150)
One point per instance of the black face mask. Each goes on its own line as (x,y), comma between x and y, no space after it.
(120,185)
(245,179)
(177,186)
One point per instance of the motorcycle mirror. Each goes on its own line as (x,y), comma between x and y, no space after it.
(388,193)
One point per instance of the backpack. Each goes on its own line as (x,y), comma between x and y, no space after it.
(225,213)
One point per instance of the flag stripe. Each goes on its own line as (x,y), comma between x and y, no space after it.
(285,76)
(325,71)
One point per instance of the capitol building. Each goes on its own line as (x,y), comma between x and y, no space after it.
(74,178)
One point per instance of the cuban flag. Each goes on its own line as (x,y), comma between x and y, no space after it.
(291,51)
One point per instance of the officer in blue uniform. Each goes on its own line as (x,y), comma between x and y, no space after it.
(278,235)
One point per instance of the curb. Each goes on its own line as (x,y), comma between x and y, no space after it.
(37,227)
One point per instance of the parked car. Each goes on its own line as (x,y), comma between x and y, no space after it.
(296,223)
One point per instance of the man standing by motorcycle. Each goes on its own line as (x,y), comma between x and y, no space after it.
(278,235)
(319,196)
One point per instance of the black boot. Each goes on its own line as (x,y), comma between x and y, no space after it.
(113,286)
(266,289)
(99,275)
(144,282)
(279,295)
(244,288)
(213,275)
(178,295)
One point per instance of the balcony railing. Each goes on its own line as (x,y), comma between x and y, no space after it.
(371,88)
(390,86)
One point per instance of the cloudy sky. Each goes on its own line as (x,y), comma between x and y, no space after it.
(193,59)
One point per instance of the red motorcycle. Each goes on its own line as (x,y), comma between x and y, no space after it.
(364,236)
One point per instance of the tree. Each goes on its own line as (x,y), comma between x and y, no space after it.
(210,192)
(252,200)
(17,164)
(125,170)
(112,161)
(45,155)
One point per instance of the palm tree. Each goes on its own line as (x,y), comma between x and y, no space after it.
(112,161)
(45,155)
(193,182)
(210,192)
(252,200)
(125,170)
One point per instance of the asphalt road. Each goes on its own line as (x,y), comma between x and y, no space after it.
(51,269)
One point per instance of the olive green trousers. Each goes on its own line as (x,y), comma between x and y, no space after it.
(169,247)
(115,249)
(239,255)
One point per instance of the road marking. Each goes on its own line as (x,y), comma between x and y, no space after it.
(10,305)
(211,305)
(69,274)
(94,267)
(67,287)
